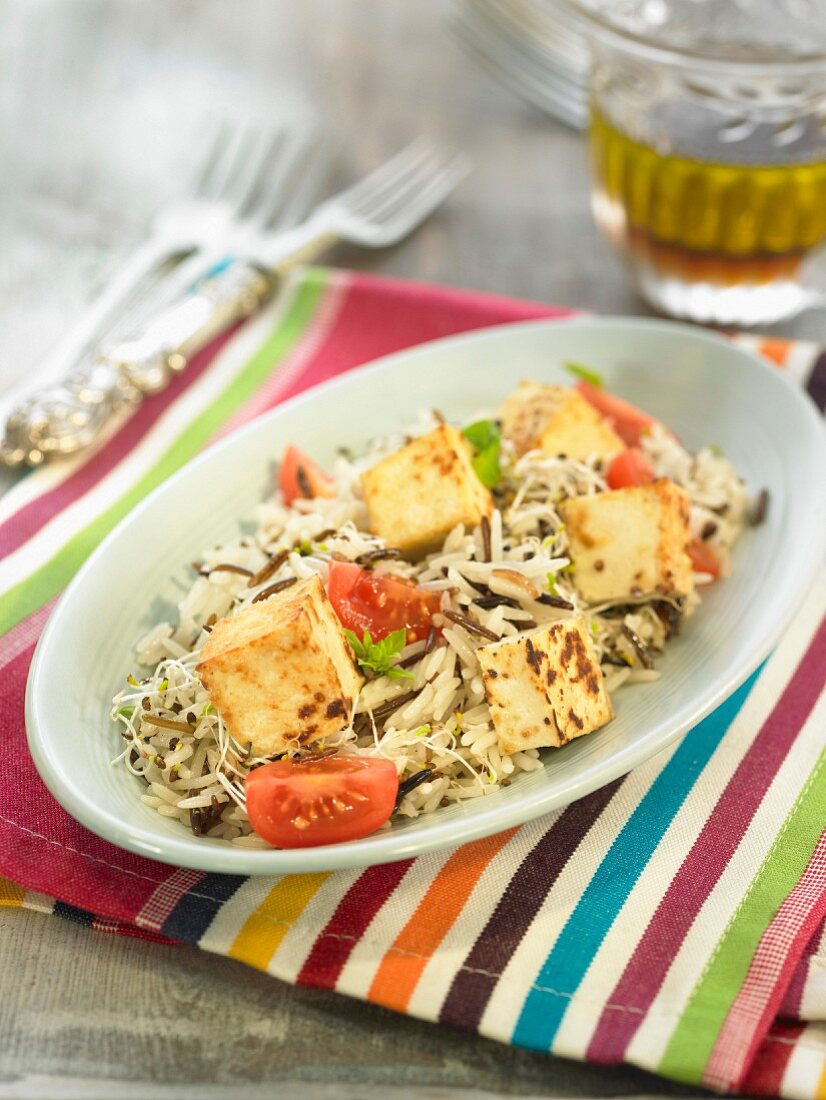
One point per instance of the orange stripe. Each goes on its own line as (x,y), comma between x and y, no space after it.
(774,349)
(820,1091)
(402,966)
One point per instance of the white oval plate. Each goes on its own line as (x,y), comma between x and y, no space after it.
(707,390)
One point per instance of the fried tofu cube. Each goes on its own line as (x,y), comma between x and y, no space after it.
(630,542)
(546,688)
(281,672)
(556,420)
(416,496)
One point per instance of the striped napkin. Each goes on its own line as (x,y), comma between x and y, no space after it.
(673,919)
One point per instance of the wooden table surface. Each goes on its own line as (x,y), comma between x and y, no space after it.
(101,105)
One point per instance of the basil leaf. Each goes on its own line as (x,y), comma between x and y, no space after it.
(481,434)
(486,440)
(487,467)
(377,657)
(585,373)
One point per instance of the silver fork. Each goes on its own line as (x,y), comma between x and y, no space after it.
(247,173)
(377,212)
(374,213)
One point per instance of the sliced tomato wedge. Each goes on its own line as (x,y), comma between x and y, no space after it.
(630,467)
(380,604)
(626,419)
(329,801)
(300,477)
(703,558)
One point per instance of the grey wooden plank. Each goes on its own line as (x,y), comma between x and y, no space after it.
(38,1087)
(79,1006)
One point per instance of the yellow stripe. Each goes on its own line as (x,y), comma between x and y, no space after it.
(265,928)
(11,894)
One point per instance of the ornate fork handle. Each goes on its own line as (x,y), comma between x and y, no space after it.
(72,415)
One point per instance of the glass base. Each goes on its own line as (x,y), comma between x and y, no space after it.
(711,304)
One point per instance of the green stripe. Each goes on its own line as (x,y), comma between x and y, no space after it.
(37,589)
(693,1040)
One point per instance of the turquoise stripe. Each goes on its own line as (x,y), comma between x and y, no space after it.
(606,893)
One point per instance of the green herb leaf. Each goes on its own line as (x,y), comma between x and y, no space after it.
(481,434)
(126,712)
(552,584)
(377,657)
(485,438)
(585,373)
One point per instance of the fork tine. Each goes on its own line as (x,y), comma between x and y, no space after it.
(400,182)
(245,165)
(268,166)
(387,174)
(236,156)
(407,190)
(264,154)
(280,176)
(429,196)
(305,172)
(215,151)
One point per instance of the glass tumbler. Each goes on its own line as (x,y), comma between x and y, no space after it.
(708,151)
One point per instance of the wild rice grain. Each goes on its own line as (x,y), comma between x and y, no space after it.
(266,571)
(486,547)
(279,586)
(471,624)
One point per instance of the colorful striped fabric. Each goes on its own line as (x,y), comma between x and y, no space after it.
(674,919)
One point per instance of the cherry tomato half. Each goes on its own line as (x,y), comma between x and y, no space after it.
(380,604)
(703,558)
(300,477)
(630,467)
(626,419)
(325,801)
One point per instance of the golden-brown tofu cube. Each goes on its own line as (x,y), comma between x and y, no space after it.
(281,672)
(416,496)
(545,689)
(630,542)
(556,420)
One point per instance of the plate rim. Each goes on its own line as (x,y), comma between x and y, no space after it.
(391,847)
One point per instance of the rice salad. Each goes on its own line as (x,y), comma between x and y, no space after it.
(426,709)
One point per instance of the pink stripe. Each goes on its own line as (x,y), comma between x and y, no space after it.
(165,897)
(771,969)
(765,1077)
(119,928)
(708,858)
(353,916)
(793,999)
(379,316)
(32,517)
(24,635)
(45,849)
